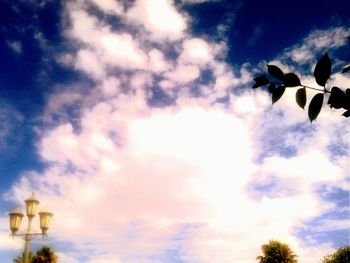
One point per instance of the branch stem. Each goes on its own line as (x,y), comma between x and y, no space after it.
(304,86)
(323,90)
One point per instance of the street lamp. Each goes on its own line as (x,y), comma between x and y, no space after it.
(16,218)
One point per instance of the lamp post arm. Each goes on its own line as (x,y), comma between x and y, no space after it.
(31,234)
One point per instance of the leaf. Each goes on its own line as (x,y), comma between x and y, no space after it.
(337,99)
(275,72)
(277,94)
(323,70)
(272,88)
(260,81)
(291,80)
(346,69)
(315,106)
(300,97)
(346,114)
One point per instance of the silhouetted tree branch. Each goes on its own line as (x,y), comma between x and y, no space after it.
(278,81)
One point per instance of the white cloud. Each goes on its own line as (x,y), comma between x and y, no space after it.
(160,18)
(202,161)
(183,73)
(332,225)
(66,258)
(301,54)
(106,47)
(249,105)
(167,84)
(111,86)
(196,51)
(5,241)
(40,38)
(301,172)
(106,259)
(65,59)
(140,81)
(223,81)
(15,46)
(121,49)
(157,61)
(87,61)
(317,41)
(63,98)
(84,27)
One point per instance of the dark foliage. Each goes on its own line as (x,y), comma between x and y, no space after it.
(278,81)
(342,255)
(277,252)
(43,255)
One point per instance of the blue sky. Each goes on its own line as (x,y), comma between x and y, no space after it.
(135,122)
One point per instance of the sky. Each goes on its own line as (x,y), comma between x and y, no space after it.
(135,123)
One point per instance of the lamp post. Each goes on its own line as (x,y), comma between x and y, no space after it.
(16,218)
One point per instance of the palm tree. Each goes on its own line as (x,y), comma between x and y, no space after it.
(277,252)
(45,255)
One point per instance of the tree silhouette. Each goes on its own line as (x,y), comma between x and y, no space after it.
(278,81)
(277,252)
(43,255)
(340,256)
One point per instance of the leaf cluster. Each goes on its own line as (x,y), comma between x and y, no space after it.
(276,252)
(277,81)
(43,255)
(341,255)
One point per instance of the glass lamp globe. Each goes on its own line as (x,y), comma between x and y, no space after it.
(31,205)
(15,220)
(45,219)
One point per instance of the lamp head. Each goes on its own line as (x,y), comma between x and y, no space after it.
(15,220)
(31,205)
(45,219)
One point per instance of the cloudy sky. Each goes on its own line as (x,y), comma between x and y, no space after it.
(135,123)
